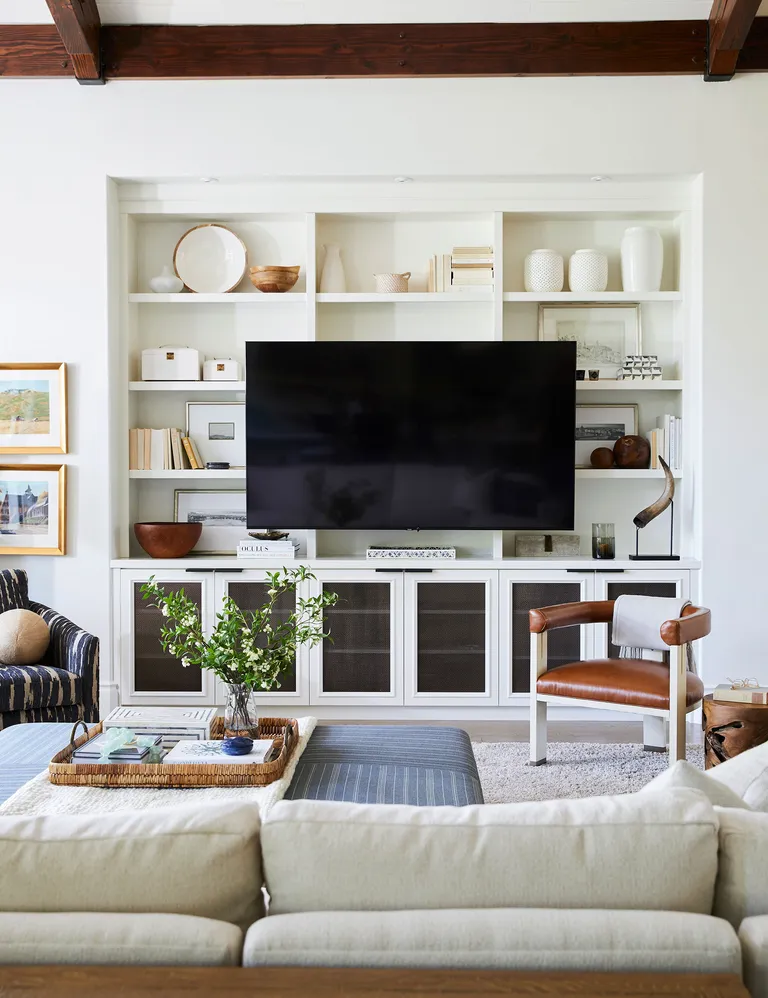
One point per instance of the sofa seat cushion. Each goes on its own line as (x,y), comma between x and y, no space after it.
(742,873)
(26,687)
(654,851)
(498,939)
(753,935)
(92,938)
(14,590)
(633,681)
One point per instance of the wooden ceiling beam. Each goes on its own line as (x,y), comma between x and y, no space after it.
(33,50)
(79,26)
(729,25)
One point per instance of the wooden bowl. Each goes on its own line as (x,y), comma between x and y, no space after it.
(167,540)
(274,279)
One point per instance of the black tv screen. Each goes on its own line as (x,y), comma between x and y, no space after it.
(411,435)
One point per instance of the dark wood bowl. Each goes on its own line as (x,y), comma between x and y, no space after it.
(632,452)
(167,540)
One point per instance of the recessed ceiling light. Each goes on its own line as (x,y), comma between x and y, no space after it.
(209,180)
(403,180)
(599,178)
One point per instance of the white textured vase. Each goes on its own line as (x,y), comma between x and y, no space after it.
(642,259)
(166,283)
(588,271)
(544,271)
(333,279)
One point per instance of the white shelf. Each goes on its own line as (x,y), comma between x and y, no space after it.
(231,298)
(629,386)
(595,297)
(186,386)
(584,563)
(624,473)
(189,473)
(411,298)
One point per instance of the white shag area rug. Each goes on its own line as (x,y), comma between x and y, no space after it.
(573,769)
(40,796)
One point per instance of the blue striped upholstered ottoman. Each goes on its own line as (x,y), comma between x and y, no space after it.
(350,762)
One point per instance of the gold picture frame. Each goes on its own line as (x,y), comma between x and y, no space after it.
(604,332)
(33,408)
(24,512)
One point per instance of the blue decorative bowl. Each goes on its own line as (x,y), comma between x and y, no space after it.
(237,746)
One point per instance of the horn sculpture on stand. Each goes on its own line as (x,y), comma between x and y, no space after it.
(644,517)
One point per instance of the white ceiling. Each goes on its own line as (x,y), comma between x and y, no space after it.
(367,11)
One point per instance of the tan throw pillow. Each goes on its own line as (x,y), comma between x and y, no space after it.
(24,637)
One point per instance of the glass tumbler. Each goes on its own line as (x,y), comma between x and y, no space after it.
(603,541)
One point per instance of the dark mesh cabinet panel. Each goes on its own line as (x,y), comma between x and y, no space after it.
(564,644)
(156,670)
(614,589)
(451,637)
(358,658)
(251,596)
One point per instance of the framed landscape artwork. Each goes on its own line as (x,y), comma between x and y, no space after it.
(33,408)
(222,513)
(601,426)
(218,429)
(604,334)
(33,509)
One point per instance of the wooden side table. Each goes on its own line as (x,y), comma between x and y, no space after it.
(731,728)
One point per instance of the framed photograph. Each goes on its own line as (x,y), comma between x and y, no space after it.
(33,408)
(601,426)
(604,334)
(218,429)
(222,514)
(33,509)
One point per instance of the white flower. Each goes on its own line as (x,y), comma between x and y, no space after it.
(185,662)
(164,610)
(267,628)
(271,592)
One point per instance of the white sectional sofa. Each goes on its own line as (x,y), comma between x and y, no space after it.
(660,880)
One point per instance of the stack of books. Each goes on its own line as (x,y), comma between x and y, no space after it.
(130,752)
(162,450)
(439,276)
(471,267)
(741,694)
(212,753)
(667,441)
(254,548)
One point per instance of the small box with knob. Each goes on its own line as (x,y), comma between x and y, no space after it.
(221,369)
(170,363)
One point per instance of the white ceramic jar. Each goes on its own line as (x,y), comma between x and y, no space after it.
(166,283)
(333,280)
(588,271)
(642,259)
(544,271)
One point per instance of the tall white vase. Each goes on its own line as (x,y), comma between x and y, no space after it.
(642,259)
(333,279)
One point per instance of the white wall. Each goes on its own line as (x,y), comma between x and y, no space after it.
(59,142)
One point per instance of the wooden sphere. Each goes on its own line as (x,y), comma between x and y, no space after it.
(632,452)
(601,457)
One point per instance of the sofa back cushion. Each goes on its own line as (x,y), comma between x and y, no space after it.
(746,775)
(14,590)
(655,851)
(742,876)
(187,861)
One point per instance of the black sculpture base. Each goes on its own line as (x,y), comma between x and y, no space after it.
(654,557)
(658,557)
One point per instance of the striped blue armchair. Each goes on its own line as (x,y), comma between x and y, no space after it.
(64,686)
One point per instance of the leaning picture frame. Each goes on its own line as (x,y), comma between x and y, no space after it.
(604,334)
(218,430)
(601,425)
(33,408)
(222,513)
(33,509)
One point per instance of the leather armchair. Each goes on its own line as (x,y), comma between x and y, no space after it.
(662,692)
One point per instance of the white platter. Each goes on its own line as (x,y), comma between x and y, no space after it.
(210,259)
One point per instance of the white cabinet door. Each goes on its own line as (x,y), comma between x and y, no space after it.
(450,638)
(249,590)
(362,664)
(148,675)
(520,592)
(637,582)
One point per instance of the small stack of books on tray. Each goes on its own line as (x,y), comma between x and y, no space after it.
(471,267)
(162,450)
(212,753)
(93,751)
(254,548)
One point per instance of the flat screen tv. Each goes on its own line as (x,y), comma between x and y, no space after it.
(404,435)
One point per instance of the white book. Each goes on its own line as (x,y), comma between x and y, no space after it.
(446,272)
(212,753)
(156,461)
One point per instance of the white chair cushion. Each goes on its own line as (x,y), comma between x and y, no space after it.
(683,774)
(742,875)
(499,939)
(746,775)
(652,851)
(753,935)
(100,938)
(185,861)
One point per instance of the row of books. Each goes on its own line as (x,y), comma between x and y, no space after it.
(253,548)
(465,267)
(162,450)
(666,441)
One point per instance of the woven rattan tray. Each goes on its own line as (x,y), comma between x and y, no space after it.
(283,730)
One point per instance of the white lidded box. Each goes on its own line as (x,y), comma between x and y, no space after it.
(222,369)
(170,364)
(175,724)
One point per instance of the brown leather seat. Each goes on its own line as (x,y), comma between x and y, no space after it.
(632,681)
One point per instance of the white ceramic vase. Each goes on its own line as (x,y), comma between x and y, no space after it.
(544,271)
(642,259)
(333,279)
(166,283)
(588,271)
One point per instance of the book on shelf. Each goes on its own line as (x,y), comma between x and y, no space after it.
(666,441)
(161,450)
(742,694)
